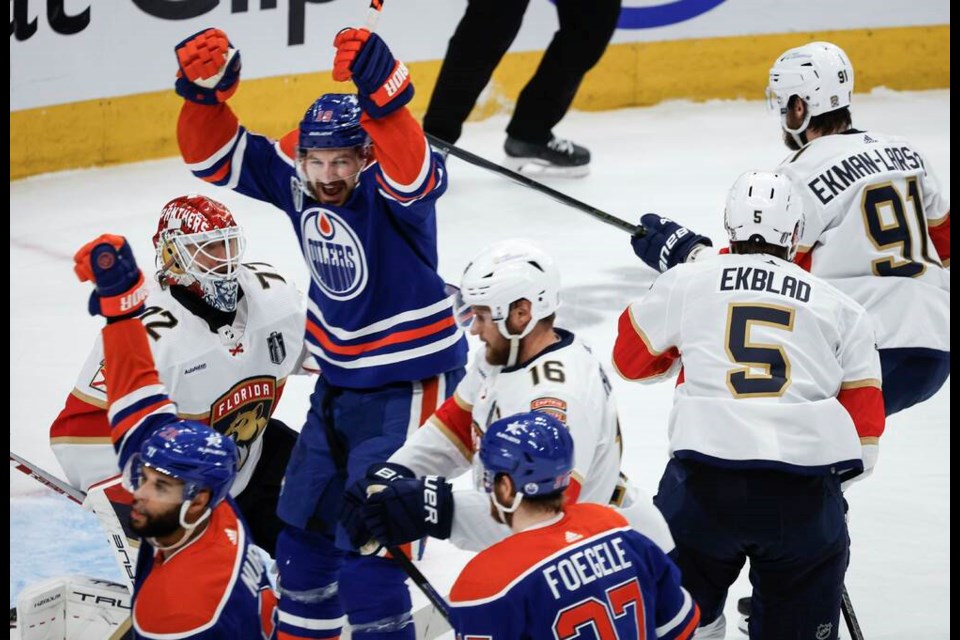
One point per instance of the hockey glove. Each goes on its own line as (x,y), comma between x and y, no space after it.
(408,509)
(108,263)
(355,499)
(383,82)
(209,70)
(870,454)
(665,243)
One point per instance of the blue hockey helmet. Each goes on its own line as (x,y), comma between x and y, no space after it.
(534,449)
(332,122)
(193,453)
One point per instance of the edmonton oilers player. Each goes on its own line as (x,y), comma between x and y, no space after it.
(565,567)
(359,184)
(198,574)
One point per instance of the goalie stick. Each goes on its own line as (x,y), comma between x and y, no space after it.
(124,548)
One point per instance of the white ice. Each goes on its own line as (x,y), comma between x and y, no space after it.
(677,159)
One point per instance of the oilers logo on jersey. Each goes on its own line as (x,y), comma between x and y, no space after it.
(334,254)
(242,412)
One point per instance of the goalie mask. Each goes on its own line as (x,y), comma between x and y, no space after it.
(763,206)
(199,246)
(503,273)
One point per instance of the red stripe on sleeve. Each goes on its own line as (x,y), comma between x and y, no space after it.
(865,406)
(458,420)
(80,419)
(633,359)
(204,129)
(431,389)
(940,234)
(804,260)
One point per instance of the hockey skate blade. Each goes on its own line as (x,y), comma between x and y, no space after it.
(536,168)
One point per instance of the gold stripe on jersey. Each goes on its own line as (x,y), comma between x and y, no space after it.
(89,399)
(859,384)
(81,440)
(463,404)
(199,417)
(449,433)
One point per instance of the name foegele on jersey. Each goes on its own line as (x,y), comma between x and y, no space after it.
(835,180)
(585,566)
(754,279)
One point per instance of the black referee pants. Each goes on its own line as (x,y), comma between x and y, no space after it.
(482,38)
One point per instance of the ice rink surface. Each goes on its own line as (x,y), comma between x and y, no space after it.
(677,159)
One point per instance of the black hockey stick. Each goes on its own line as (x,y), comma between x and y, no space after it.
(519,178)
(849,616)
(421,581)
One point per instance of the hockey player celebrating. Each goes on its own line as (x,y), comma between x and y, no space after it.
(509,295)
(778,395)
(566,565)
(359,184)
(225,336)
(197,550)
(877,227)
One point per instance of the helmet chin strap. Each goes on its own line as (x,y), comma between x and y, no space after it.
(514,338)
(187,528)
(797,133)
(502,510)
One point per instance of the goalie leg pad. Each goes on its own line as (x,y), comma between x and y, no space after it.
(75,607)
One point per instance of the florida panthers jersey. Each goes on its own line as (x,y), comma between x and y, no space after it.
(780,369)
(378,311)
(583,574)
(216,585)
(229,377)
(564,380)
(873,208)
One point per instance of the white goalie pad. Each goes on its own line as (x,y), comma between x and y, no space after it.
(73,608)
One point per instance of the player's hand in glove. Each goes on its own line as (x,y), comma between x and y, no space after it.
(665,243)
(383,82)
(355,499)
(408,509)
(871,452)
(108,263)
(209,70)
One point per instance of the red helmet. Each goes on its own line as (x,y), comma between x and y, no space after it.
(199,246)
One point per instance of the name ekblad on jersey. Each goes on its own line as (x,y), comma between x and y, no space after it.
(334,253)
(753,279)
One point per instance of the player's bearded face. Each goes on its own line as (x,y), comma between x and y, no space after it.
(332,174)
(485,328)
(156,505)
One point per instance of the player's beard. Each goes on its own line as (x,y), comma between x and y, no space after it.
(157,526)
(790,142)
(498,354)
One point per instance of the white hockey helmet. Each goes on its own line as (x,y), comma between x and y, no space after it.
(507,271)
(819,73)
(763,205)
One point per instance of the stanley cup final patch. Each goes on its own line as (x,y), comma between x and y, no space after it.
(277,349)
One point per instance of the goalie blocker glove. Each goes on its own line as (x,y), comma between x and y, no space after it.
(209,67)
(407,508)
(665,243)
(108,263)
(383,82)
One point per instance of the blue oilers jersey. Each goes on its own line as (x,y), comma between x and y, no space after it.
(584,574)
(377,312)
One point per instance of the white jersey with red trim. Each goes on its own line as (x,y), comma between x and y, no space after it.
(230,378)
(780,369)
(564,380)
(873,208)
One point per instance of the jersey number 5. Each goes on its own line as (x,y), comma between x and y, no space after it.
(774,379)
(603,616)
